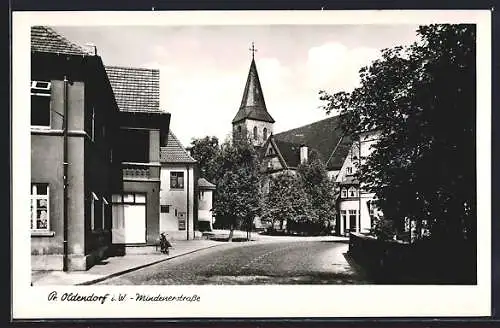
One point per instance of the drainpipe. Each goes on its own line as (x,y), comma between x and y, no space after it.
(65,176)
(187,202)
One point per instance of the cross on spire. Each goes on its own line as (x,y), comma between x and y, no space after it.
(253,50)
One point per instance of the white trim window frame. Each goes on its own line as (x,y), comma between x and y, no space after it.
(103,214)
(343,193)
(40,202)
(93,198)
(42,89)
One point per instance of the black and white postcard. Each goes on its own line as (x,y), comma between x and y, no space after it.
(227,164)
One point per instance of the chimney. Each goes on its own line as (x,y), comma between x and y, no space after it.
(303,154)
(92,47)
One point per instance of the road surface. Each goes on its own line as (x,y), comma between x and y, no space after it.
(251,263)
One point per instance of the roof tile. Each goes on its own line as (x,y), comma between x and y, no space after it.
(324,136)
(46,39)
(135,89)
(174,152)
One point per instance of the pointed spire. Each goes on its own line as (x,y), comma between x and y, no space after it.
(253,105)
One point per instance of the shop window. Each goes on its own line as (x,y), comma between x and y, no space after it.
(40,206)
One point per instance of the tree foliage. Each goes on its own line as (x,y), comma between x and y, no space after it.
(320,190)
(206,152)
(422,101)
(304,199)
(238,188)
(287,201)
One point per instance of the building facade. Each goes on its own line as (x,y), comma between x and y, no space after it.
(178,204)
(73,113)
(142,127)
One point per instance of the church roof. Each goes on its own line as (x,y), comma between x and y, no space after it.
(253,105)
(325,137)
(46,39)
(135,89)
(174,152)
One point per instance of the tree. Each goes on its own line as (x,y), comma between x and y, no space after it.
(320,190)
(238,189)
(422,101)
(205,151)
(287,201)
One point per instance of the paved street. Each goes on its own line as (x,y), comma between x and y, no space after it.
(283,262)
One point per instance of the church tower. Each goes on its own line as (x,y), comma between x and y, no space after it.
(253,119)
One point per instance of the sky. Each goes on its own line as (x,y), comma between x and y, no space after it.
(203,69)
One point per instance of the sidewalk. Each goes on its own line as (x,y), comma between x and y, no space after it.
(114,266)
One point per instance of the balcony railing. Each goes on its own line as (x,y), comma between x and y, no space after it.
(141,171)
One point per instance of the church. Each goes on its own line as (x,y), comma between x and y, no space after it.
(285,151)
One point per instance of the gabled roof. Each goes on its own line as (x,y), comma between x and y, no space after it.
(135,89)
(204,184)
(46,39)
(324,136)
(174,152)
(253,105)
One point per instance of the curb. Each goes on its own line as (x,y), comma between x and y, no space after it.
(119,273)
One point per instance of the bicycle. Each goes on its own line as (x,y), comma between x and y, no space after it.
(164,244)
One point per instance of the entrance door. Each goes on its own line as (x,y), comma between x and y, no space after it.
(129,224)
(135,224)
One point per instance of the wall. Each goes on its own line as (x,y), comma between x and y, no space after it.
(205,205)
(47,166)
(177,199)
(247,129)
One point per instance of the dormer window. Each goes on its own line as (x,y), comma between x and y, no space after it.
(40,104)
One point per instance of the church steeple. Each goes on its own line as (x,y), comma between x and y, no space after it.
(253,105)
(253,119)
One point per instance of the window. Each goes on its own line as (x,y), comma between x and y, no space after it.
(39,206)
(343,193)
(352,220)
(129,198)
(255,132)
(353,192)
(349,170)
(176,180)
(103,214)
(93,198)
(93,124)
(239,129)
(164,208)
(264,136)
(201,194)
(40,103)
